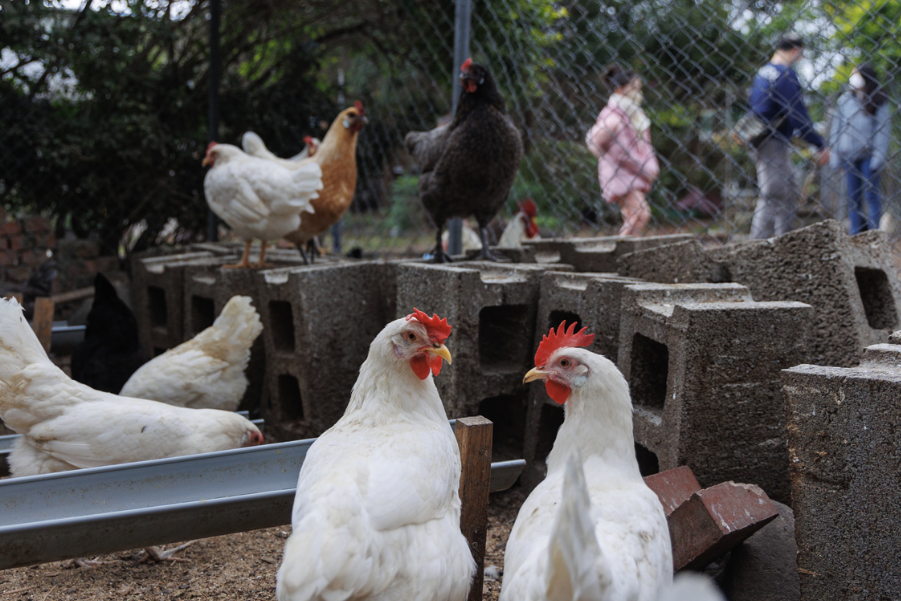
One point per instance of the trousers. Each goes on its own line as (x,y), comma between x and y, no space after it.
(778,200)
(863,184)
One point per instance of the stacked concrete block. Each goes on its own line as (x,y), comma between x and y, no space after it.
(843,435)
(850,281)
(703,363)
(595,255)
(318,323)
(492,308)
(591,300)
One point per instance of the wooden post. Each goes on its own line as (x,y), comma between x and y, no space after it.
(42,322)
(474,436)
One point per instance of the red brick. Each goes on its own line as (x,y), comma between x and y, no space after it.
(9,228)
(33,258)
(19,242)
(36,224)
(714,520)
(673,487)
(7,257)
(45,240)
(18,274)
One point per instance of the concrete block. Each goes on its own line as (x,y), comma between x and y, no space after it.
(681,262)
(318,323)
(592,300)
(595,255)
(765,566)
(492,308)
(714,520)
(843,426)
(525,254)
(703,363)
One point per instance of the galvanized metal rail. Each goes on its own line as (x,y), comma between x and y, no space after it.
(129,506)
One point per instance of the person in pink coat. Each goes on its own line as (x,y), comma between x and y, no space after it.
(621,139)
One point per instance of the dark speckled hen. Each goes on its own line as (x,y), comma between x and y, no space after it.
(468,166)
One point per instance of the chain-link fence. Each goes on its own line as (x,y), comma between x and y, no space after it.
(104,104)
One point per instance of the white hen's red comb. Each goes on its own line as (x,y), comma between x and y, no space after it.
(561,339)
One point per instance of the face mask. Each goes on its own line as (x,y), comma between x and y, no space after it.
(857,82)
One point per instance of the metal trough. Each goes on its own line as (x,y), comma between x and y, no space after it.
(109,509)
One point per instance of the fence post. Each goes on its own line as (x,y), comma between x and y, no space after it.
(212,220)
(474,436)
(42,321)
(461,52)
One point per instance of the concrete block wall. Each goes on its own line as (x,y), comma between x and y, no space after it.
(843,435)
(595,255)
(703,362)
(318,323)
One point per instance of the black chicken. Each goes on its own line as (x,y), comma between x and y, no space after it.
(111,352)
(468,166)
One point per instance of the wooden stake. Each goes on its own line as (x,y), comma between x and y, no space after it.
(474,436)
(42,322)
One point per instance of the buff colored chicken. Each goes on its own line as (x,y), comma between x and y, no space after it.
(206,372)
(337,156)
(254,146)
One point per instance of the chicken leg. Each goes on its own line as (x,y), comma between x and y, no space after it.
(440,256)
(158,554)
(261,264)
(245,260)
(485,254)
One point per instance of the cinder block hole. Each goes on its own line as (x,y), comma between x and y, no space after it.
(289,400)
(556,317)
(203,313)
(281,324)
(876,294)
(647,461)
(650,366)
(508,414)
(505,338)
(159,314)
(549,422)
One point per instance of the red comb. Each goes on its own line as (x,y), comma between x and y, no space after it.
(438,328)
(210,145)
(466,64)
(359,106)
(528,207)
(561,339)
(308,139)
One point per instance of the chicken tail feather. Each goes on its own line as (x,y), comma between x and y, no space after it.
(235,330)
(574,552)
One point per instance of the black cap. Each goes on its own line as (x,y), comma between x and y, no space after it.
(790,41)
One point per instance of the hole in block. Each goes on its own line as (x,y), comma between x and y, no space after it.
(556,317)
(508,414)
(289,400)
(549,422)
(203,313)
(159,314)
(281,324)
(876,295)
(650,367)
(648,464)
(505,339)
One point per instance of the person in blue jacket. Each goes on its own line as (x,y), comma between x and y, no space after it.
(776,99)
(859,141)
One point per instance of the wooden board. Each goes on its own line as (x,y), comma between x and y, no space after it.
(42,322)
(474,436)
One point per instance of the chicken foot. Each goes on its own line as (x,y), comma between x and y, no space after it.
(261,264)
(485,254)
(245,259)
(313,250)
(157,554)
(439,255)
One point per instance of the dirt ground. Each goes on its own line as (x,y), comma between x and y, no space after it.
(226,568)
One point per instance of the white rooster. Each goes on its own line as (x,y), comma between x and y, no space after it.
(206,372)
(377,511)
(521,227)
(257,198)
(66,425)
(608,539)
(253,145)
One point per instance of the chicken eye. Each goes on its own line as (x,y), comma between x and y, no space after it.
(564,362)
(411,336)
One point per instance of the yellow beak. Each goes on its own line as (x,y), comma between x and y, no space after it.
(204,162)
(535,374)
(441,351)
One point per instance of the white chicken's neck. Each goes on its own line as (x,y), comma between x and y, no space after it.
(598,423)
(388,390)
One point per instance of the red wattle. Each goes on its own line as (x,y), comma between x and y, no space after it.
(557,391)
(420,365)
(470,86)
(436,362)
(531,228)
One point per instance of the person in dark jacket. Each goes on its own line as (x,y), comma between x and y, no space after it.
(859,143)
(776,98)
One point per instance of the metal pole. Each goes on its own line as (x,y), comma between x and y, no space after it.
(461,53)
(212,220)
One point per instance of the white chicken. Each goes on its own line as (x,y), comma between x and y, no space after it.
(66,425)
(253,145)
(257,198)
(521,227)
(607,540)
(206,372)
(377,511)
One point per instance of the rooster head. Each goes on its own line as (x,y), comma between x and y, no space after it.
(529,210)
(419,339)
(354,118)
(472,75)
(312,145)
(209,158)
(556,365)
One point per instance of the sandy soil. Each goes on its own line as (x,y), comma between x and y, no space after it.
(226,568)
